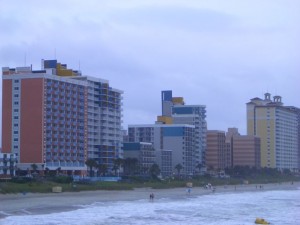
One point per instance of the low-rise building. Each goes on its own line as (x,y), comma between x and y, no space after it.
(143,152)
(7,164)
(217,150)
(245,149)
(164,160)
(178,138)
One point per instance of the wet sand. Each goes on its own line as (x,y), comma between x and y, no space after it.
(33,203)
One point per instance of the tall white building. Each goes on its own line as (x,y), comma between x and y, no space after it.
(104,117)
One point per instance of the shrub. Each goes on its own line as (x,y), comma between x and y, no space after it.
(62,179)
(22,180)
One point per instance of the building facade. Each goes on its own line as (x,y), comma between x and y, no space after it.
(217,150)
(232,149)
(46,117)
(143,151)
(278,128)
(174,111)
(165,138)
(246,151)
(164,160)
(8,164)
(104,118)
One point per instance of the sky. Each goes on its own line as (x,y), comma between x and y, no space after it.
(215,53)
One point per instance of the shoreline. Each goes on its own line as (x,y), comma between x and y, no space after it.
(45,203)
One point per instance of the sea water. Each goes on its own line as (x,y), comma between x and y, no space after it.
(237,208)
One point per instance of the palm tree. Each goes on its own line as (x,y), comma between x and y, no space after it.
(178,167)
(118,163)
(154,170)
(102,168)
(115,168)
(47,171)
(18,171)
(91,163)
(58,170)
(43,169)
(130,165)
(145,169)
(199,166)
(12,169)
(34,167)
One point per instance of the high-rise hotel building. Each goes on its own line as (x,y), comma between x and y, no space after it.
(175,111)
(278,128)
(57,118)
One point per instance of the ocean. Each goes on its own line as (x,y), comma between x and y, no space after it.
(235,208)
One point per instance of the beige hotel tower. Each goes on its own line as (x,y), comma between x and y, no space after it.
(278,127)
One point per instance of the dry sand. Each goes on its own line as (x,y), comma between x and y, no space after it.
(30,203)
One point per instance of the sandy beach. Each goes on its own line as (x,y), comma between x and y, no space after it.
(34,203)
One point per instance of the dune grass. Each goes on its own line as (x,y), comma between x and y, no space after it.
(46,186)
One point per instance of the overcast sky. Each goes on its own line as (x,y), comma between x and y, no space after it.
(215,53)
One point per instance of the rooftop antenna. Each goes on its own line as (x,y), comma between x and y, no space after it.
(25,59)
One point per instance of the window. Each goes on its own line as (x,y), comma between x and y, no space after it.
(16,139)
(16,95)
(16,88)
(16,81)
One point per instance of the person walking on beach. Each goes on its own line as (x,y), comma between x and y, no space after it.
(151,197)
(188,191)
(213,189)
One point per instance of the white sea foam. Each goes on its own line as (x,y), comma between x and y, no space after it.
(278,207)
(5,214)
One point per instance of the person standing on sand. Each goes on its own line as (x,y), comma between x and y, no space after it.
(188,191)
(151,197)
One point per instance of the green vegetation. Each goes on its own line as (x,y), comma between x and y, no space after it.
(136,177)
(44,185)
(178,167)
(154,171)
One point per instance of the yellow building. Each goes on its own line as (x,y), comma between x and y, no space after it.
(278,128)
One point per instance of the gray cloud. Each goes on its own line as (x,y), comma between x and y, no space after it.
(215,53)
(176,17)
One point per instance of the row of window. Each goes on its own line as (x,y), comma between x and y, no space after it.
(15,119)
